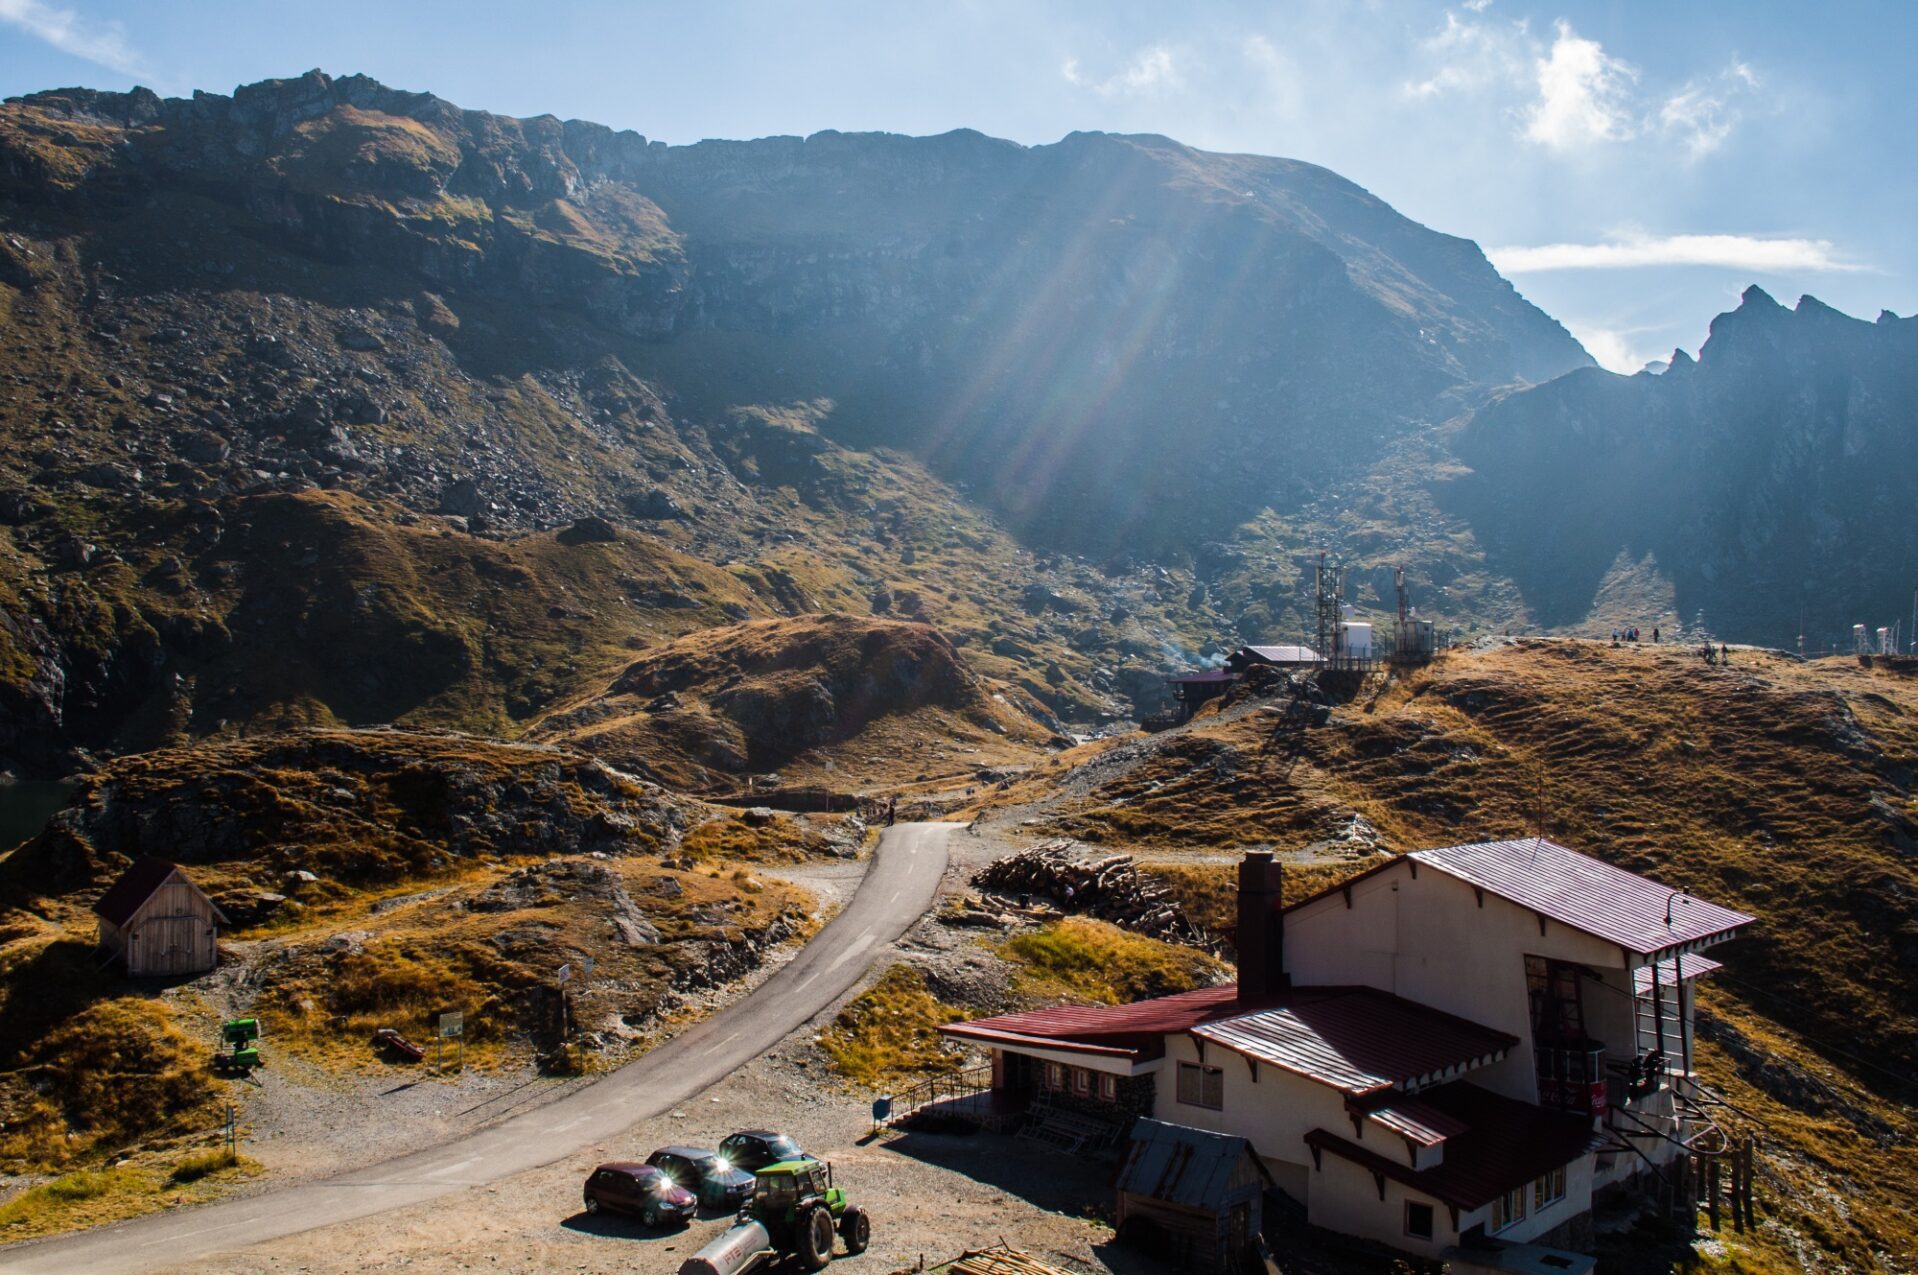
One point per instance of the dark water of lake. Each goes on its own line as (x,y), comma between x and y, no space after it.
(26,805)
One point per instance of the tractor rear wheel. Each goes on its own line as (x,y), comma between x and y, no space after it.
(815,1239)
(856,1229)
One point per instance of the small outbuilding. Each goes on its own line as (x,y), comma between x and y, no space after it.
(1192,1196)
(158,922)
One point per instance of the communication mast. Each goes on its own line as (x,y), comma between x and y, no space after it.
(1331,593)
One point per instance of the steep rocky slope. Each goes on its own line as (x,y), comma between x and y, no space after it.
(292,376)
(1035,319)
(1765,483)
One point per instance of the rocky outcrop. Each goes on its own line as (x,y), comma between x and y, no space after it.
(1769,478)
(321,812)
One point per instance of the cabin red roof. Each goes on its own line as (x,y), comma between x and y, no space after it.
(1356,1039)
(1112,1029)
(135,886)
(1504,1143)
(1586,893)
(1418,1122)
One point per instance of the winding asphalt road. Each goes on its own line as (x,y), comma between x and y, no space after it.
(896,891)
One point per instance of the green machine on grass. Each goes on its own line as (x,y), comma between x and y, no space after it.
(240,1050)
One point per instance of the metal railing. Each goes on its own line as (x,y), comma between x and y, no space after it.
(946,1087)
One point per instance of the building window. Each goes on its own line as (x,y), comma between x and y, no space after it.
(1549,1189)
(1108,1087)
(1055,1076)
(1201,1086)
(1507,1211)
(1081,1082)
(1418,1220)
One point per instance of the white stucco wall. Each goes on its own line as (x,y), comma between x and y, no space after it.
(1274,1113)
(1427,938)
(1345,1198)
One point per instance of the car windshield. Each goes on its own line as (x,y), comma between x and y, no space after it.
(783,1148)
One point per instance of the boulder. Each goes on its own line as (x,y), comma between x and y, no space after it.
(588,530)
(463,498)
(654,505)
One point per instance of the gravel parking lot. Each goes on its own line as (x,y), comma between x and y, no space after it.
(930,1195)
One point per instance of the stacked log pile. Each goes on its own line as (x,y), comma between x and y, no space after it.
(1055,874)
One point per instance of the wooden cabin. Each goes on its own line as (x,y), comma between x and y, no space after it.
(159,923)
(1192,1197)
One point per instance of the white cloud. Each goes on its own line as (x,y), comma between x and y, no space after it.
(1584,95)
(1735,252)
(1152,70)
(1612,347)
(1569,95)
(104,43)
(1478,6)
(1703,113)
(1471,56)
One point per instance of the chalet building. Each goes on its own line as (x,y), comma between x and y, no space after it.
(158,922)
(1448,1054)
(1293,657)
(1195,689)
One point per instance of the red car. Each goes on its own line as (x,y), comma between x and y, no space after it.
(626,1187)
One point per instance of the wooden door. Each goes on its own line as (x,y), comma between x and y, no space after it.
(173,945)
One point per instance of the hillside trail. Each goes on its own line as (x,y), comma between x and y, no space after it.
(901,884)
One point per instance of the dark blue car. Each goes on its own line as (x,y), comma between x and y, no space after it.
(754,1149)
(707,1174)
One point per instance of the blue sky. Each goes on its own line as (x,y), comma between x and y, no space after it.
(1630,166)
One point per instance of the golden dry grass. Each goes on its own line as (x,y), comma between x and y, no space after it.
(1077,959)
(890,1032)
(96,1197)
(704,710)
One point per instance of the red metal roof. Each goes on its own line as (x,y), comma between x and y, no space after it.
(1695,966)
(1505,1144)
(1358,1039)
(1103,1028)
(135,886)
(1585,893)
(1419,1122)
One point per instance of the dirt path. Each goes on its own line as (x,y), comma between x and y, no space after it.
(901,884)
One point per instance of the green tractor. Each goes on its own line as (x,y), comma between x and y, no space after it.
(800,1208)
(793,1213)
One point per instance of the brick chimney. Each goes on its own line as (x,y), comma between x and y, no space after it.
(1261,934)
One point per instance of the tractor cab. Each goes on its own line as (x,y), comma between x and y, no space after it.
(779,1189)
